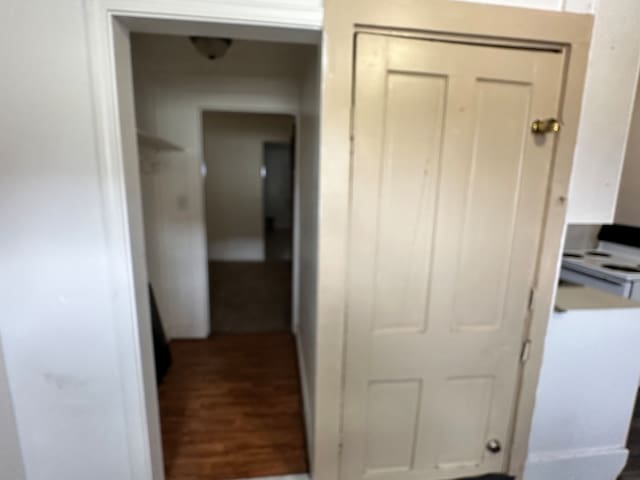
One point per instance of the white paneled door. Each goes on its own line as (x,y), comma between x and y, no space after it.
(447,207)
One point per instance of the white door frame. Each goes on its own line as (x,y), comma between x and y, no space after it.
(108,23)
(442,20)
(295,240)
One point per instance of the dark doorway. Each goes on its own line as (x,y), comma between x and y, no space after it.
(249,199)
(278,200)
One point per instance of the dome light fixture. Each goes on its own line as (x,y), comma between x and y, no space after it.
(211,47)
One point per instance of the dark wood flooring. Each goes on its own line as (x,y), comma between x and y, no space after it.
(250,297)
(231,408)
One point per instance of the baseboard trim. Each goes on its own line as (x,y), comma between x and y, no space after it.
(306,405)
(585,465)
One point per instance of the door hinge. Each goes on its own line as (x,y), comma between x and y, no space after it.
(526,349)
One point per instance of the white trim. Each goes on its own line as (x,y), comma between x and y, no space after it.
(134,348)
(306,405)
(289,15)
(582,464)
(118,239)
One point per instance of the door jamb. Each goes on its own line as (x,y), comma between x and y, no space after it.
(570,32)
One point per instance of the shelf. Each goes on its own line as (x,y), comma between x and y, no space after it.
(156,143)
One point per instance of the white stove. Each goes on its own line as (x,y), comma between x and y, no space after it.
(611,267)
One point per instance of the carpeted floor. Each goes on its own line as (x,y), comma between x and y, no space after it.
(250,297)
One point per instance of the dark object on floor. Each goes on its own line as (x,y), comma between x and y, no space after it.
(231,407)
(160,345)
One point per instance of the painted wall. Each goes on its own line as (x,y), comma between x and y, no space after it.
(174,85)
(609,95)
(628,210)
(57,327)
(307,235)
(233,152)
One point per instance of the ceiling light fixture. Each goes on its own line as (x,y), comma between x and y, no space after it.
(211,48)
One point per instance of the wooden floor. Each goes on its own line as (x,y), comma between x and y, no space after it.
(231,408)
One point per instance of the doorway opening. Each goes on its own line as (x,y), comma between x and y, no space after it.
(249,215)
(228,167)
(277,174)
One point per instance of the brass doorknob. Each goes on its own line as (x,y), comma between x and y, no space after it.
(542,127)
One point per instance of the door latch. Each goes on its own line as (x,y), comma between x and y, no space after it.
(542,127)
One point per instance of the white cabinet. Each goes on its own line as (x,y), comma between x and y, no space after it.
(587,388)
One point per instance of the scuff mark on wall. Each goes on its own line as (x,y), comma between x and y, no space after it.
(62,381)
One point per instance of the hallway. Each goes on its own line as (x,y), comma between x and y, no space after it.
(231,408)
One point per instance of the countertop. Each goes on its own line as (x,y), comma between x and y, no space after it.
(578,297)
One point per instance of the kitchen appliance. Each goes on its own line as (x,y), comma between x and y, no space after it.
(614,266)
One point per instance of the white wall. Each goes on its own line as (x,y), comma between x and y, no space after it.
(628,210)
(234,153)
(606,113)
(57,326)
(173,86)
(306,222)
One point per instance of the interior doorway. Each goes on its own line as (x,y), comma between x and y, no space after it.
(249,215)
(227,168)
(277,190)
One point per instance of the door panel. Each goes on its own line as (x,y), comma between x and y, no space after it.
(447,206)
(406,199)
(391,431)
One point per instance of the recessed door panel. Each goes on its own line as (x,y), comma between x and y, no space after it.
(468,401)
(448,193)
(493,188)
(408,180)
(391,430)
